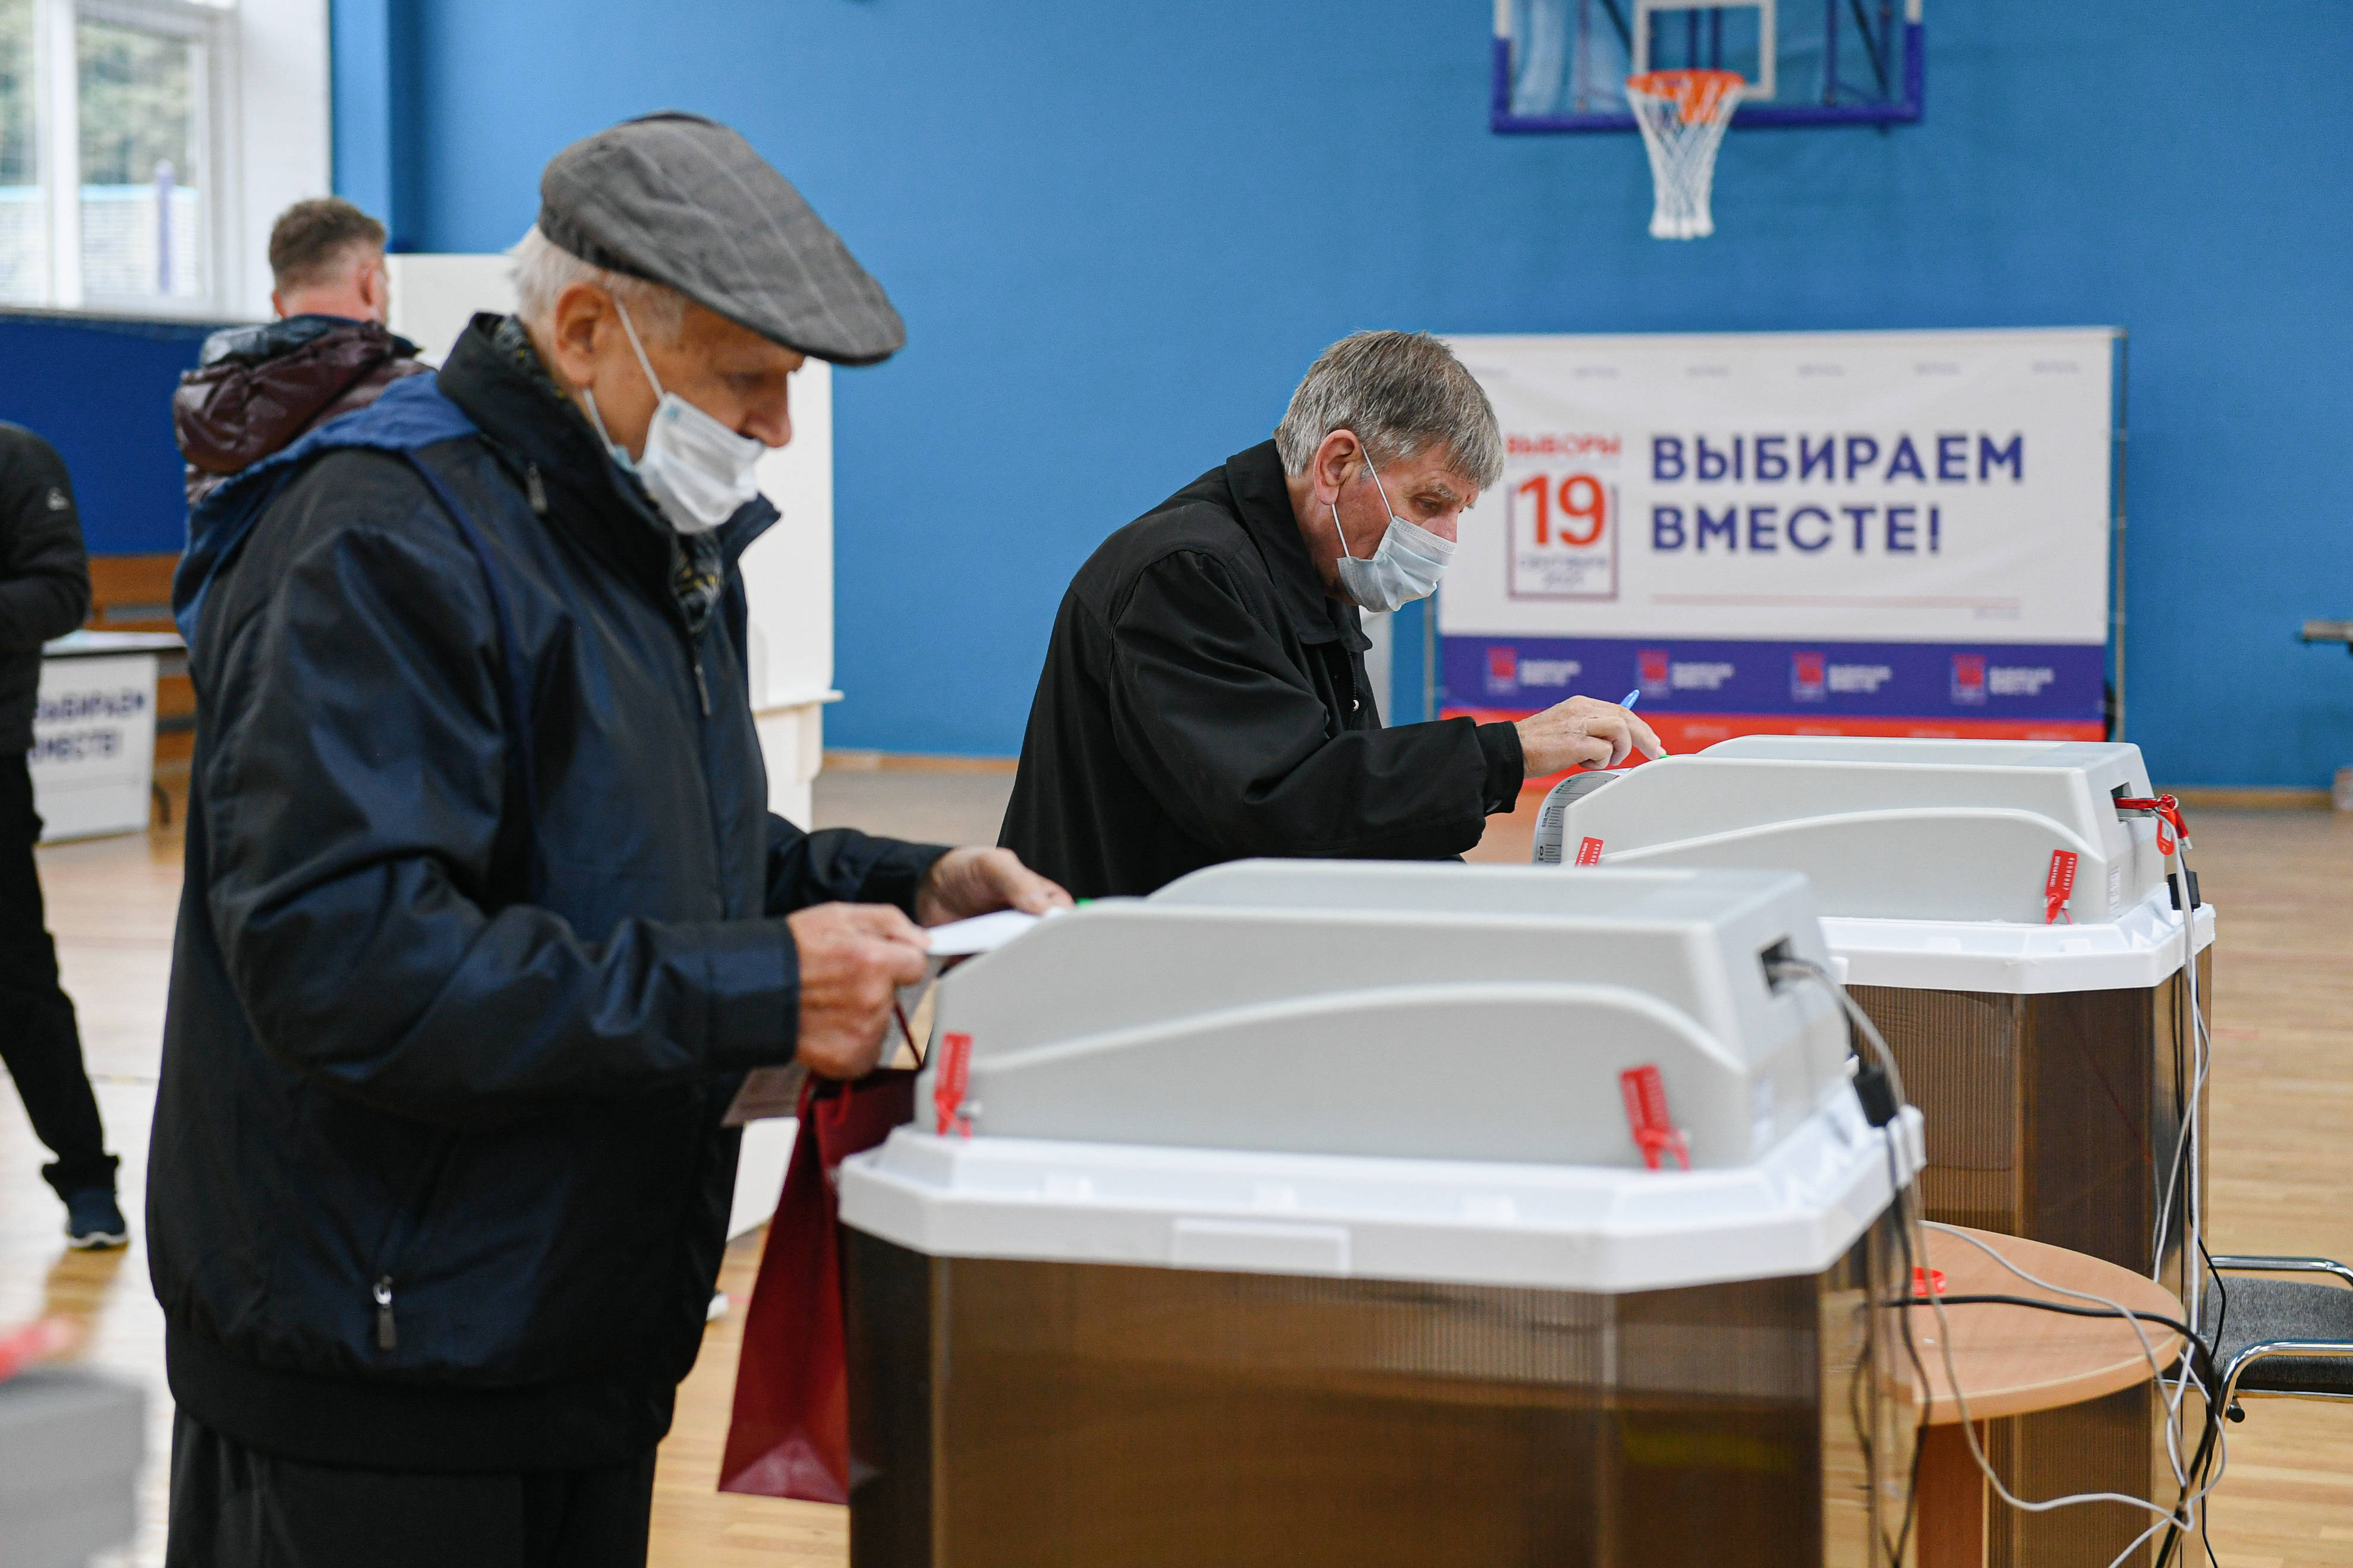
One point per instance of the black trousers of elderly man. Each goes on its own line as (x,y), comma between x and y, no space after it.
(1205,696)
(485,919)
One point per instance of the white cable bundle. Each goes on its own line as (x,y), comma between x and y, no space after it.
(1683,114)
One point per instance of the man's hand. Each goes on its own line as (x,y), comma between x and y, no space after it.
(854,957)
(1583,733)
(965,882)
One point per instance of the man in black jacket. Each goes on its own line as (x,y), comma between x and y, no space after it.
(1205,697)
(44,594)
(485,919)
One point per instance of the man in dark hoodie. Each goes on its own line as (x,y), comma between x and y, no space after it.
(486,920)
(255,389)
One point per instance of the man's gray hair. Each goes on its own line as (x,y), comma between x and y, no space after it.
(1401,393)
(545,270)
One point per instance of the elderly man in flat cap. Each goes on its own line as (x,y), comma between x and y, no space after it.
(486,918)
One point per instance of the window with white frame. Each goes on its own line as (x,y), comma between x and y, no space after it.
(116,127)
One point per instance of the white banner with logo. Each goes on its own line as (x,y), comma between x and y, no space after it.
(1857,532)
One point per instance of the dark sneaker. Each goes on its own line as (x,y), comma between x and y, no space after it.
(94,1221)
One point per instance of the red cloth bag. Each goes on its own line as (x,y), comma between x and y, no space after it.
(790,1434)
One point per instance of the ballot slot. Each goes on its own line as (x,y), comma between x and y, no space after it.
(1318,1184)
(2009,926)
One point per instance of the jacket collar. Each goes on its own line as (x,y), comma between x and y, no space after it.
(535,425)
(1263,501)
(269,340)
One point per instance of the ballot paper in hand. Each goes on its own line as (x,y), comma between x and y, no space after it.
(775,1091)
(982,933)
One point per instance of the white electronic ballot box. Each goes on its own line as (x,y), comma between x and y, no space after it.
(1896,829)
(1379,1214)
(2006,917)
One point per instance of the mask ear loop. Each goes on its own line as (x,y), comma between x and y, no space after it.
(589,398)
(643,363)
(1376,473)
(588,401)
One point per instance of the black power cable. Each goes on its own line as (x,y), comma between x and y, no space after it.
(1912,1349)
(2203,1359)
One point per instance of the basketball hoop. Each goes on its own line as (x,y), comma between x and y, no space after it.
(1683,114)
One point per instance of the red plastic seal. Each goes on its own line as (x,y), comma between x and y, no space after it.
(2167,809)
(949,1085)
(1588,853)
(1928,1281)
(1645,1093)
(2058,885)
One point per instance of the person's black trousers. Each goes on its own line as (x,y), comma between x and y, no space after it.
(235,1507)
(38,1040)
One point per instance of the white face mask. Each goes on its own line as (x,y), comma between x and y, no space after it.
(698,470)
(1405,567)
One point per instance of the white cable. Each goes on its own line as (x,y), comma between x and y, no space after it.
(2192,1146)
(2188,1154)
(1969,1428)
(2157,1373)
(2201,1059)
(2165,1516)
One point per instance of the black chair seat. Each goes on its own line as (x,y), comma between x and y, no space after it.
(2264,1308)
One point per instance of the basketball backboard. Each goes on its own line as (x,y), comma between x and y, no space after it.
(1561,65)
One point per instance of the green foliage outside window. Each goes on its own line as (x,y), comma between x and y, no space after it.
(20,145)
(138,105)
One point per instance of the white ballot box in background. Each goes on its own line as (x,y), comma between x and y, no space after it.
(2005,915)
(93,754)
(433,297)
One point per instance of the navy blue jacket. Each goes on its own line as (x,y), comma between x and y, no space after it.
(483,925)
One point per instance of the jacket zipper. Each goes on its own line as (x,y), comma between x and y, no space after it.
(701,687)
(388,1330)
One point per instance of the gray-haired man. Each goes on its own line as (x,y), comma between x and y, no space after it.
(1205,697)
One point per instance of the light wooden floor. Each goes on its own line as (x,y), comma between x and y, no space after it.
(2282,1175)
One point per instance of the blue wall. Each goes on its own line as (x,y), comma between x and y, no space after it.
(100,393)
(1118,234)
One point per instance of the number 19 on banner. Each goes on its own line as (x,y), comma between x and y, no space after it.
(1563,536)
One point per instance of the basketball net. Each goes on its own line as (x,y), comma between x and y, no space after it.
(1683,114)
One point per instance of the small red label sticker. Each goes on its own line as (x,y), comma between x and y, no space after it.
(1645,1093)
(948,1084)
(1588,853)
(2058,885)
(2164,837)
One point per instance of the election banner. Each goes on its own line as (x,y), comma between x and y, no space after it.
(1832,533)
(94,751)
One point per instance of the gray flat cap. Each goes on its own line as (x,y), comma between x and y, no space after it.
(681,200)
